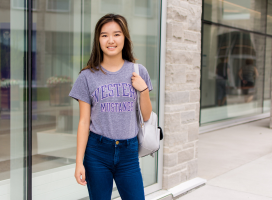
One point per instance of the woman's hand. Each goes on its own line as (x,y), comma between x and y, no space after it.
(145,104)
(137,82)
(80,170)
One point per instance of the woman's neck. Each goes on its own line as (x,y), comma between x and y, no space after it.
(112,64)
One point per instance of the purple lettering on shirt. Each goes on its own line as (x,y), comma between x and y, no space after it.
(108,107)
(116,106)
(103,107)
(124,106)
(128,106)
(96,94)
(132,92)
(117,89)
(120,107)
(124,94)
(111,90)
(112,107)
(131,106)
(102,92)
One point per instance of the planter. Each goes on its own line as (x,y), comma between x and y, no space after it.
(59,94)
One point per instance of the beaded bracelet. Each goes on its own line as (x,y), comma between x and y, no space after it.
(144,89)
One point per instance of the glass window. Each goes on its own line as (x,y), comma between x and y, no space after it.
(143,8)
(269,17)
(19,4)
(232,73)
(111,6)
(13,101)
(267,75)
(245,14)
(62,43)
(58,5)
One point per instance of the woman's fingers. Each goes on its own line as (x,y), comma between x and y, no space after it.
(135,74)
(83,179)
(80,181)
(80,176)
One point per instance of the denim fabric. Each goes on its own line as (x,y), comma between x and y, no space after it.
(107,159)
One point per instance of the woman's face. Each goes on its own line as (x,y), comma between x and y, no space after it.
(111,39)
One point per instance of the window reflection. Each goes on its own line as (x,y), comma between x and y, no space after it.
(232,83)
(222,73)
(143,8)
(19,4)
(111,6)
(267,76)
(245,14)
(58,5)
(269,17)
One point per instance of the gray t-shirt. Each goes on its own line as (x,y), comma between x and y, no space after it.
(112,98)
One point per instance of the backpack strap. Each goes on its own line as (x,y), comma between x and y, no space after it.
(136,69)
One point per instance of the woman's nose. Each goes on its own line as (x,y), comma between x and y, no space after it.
(110,41)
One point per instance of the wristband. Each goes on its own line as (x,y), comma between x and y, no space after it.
(144,89)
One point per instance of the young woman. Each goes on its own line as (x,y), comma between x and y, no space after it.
(107,145)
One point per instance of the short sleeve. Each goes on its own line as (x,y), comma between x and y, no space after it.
(80,89)
(144,74)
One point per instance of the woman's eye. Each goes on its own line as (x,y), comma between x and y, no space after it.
(117,34)
(104,36)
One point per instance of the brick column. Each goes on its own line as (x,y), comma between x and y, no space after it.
(182,94)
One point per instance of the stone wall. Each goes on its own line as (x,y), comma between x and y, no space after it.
(271,112)
(182,94)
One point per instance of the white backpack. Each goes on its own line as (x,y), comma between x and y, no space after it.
(149,134)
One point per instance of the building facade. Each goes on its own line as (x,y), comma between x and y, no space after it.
(209,63)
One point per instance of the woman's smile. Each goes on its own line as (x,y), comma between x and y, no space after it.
(112,48)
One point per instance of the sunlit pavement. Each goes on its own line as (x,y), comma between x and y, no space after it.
(237,163)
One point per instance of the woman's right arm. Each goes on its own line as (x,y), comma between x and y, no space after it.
(82,139)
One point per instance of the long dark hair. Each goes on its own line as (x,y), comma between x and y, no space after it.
(97,54)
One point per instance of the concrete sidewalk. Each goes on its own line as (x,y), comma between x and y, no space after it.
(237,162)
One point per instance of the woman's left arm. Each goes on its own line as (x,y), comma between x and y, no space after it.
(139,84)
(145,104)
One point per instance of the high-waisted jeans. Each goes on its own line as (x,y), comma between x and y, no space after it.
(107,159)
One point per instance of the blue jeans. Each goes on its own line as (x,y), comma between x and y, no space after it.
(107,159)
